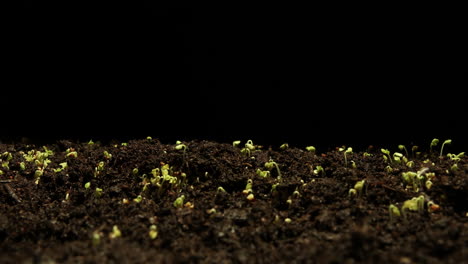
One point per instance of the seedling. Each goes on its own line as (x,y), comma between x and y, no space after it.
(153,233)
(250,197)
(179,202)
(180,146)
(63,166)
(353,164)
(359,186)
(270,165)
(287,220)
(348,150)
(87,185)
(22,166)
(388,169)
(37,174)
(107,155)
(319,169)
(402,147)
(220,189)
(413,150)
(149,138)
(446,142)
(386,152)
(434,143)
(99,168)
(311,149)
(71,153)
(115,232)
(138,199)
(96,238)
(432,207)
(397,157)
(284,146)
(415,204)
(248,187)
(263,174)
(352,192)
(250,145)
(236,143)
(98,192)
(124,144)
(135,171)
(456,158)
(248,148)
(393,212)
(90,142)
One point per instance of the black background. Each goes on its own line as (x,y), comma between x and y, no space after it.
(322,75)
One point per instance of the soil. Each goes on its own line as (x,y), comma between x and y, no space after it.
(301,217)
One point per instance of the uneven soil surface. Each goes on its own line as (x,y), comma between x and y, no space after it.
(118,203)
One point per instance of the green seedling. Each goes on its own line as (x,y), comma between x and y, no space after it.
(124,144)
(434,143)
(287,220)
(22,166)
(348,150)
(366,154)
(388,169)
(1,172)
(248,148)
(98,192)
(393,212)
(359,186)
(248,187)
(284,146)
(87,185)
(273,187)
(446,142)
(107,155)
(149,138)
(153,233)
(179,202)
(115,232)
(180,146)
(456,158)
(38,174)
(414,151)
(263,174)
(397,157)
(90,142)
(99,168)
(63,166)
(386,152)
(250,197)
(311,149)
(415,204)
(428,184)
(319,170)
(138,199)
(236,143)
(5,165)
(403,148)
(352,192)
(410,164)
(270,165)
(250,145)
(96,238)
(71,153)
(220,189)
(135,171)
(353,164)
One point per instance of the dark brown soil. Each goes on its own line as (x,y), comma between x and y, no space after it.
(307,218)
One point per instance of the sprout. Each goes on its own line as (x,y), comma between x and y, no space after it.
(115,232)
(263,174)
(180,146)
(415,204)
(87,185)
(386,152)
(393,212)
(284,146)
(90,142)
(250,197)
(428,184)
(388,169)
(71,153)
(413,150)
(270,165)
(138,199)
(359,186)
(135,171)
(99,168)
(124,144)
(434,143)
(446,142)
(352,192)
(37,174)
(353,164)
(107,155)
(96,238)
(310,149)
(402,147)
(287,220)
(22,166)
(456,158)
(149,138)
(98,192)
(236,143)
(248,187)
(179,202)
(250,145)
(348,150)
(153,233)
(220,189)
(432,207)
(397,157)
(319,169)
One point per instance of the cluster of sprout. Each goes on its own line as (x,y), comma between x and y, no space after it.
(346,151)
(418,180)
(40,159)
